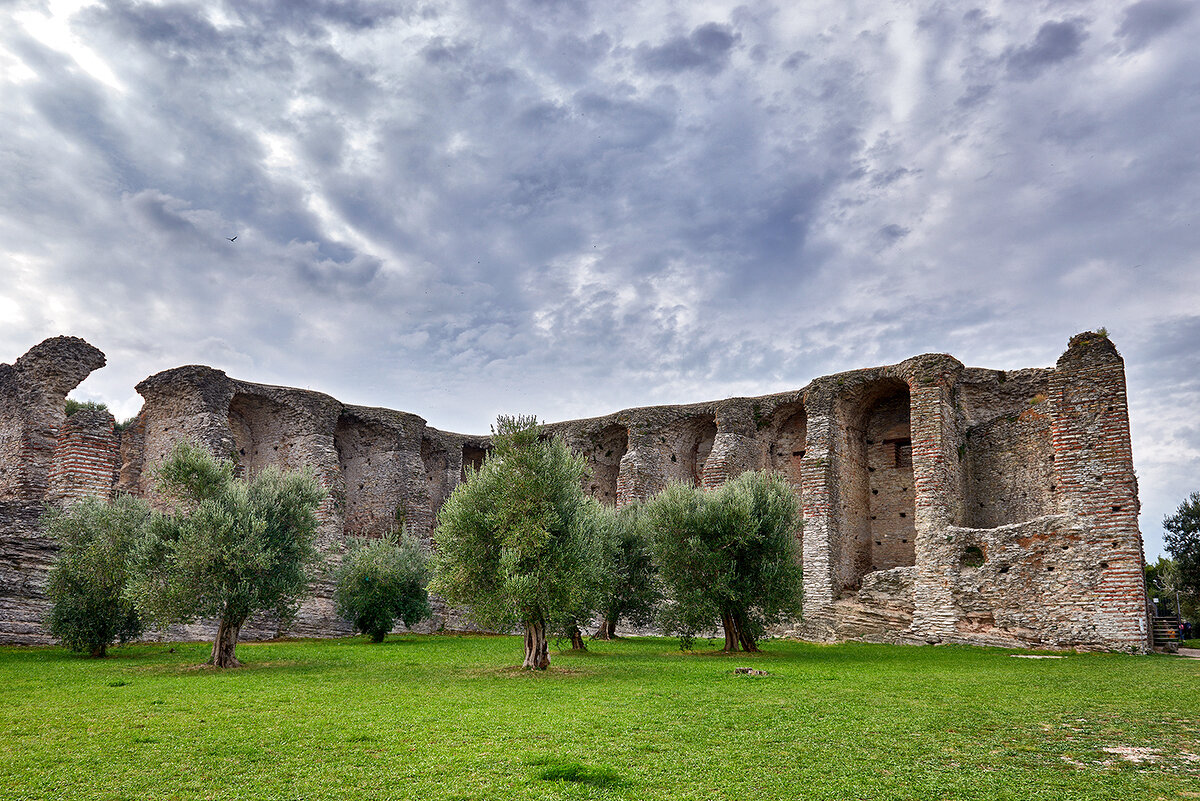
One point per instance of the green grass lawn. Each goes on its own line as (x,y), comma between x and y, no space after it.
(433,717)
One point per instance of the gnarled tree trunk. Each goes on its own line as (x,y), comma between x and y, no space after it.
(99,651)
(537,652)
(225,644)
(607,630)
(577,643)
(744,636)
(737,633)
(729,624)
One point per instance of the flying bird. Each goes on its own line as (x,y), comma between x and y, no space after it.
(231,238)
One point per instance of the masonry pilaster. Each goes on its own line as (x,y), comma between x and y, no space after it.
(1093,469)
(938,481)
(818,478)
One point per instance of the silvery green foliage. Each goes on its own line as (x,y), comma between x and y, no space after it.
(727,557)
(231,547)
(629,586)
(87,583)
(381,580)
(517,542)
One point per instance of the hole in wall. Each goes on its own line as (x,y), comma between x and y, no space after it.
(972,556)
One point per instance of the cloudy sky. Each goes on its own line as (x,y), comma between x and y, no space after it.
(460,208)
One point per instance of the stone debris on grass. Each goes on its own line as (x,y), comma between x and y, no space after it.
(745,671)
(1133,753)
(1035,656)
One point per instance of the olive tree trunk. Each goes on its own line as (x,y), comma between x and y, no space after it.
(744,636)
(99,651)
(577,643)
(225,644)
(537,652)
(737,633)
(607,630)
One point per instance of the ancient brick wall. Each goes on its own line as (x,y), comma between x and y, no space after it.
(941,503)
(85,458)
(1093,469)
(33,392)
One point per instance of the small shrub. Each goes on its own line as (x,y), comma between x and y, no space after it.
(381,580)
(74,406)
(87,584)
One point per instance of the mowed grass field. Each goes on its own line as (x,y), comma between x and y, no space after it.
(449,717)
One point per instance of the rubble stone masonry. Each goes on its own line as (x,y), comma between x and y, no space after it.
(942,504)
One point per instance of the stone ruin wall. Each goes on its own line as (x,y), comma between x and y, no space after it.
(942,504)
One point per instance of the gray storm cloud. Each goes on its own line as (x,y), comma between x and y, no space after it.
(568,208)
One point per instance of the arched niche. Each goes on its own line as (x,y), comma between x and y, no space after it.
(788,441)
(472,457)
(610,444)
(261,435)
(875,481)
(369,496)
(687,445)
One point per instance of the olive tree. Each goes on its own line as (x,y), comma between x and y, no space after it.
(87,583)
(382,579)
(516,541)
(231,547)
(727,556)
(629,587)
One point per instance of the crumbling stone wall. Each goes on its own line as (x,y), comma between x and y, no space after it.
(941,503)
(33,393)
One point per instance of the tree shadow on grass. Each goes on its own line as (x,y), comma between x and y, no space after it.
(560,769)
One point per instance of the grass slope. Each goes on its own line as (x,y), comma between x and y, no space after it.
(448,717)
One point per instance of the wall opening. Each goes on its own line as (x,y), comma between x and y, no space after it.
(877,495)
(369,496)
(688,444)
(609,446)
(787,448)
(260,434)
(888,445)
(472,456)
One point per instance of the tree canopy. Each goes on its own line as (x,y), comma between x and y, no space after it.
(516,542)
(380,580)
(727,556)
(87,583)
(231,547)
(629,588)
(1182,541)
